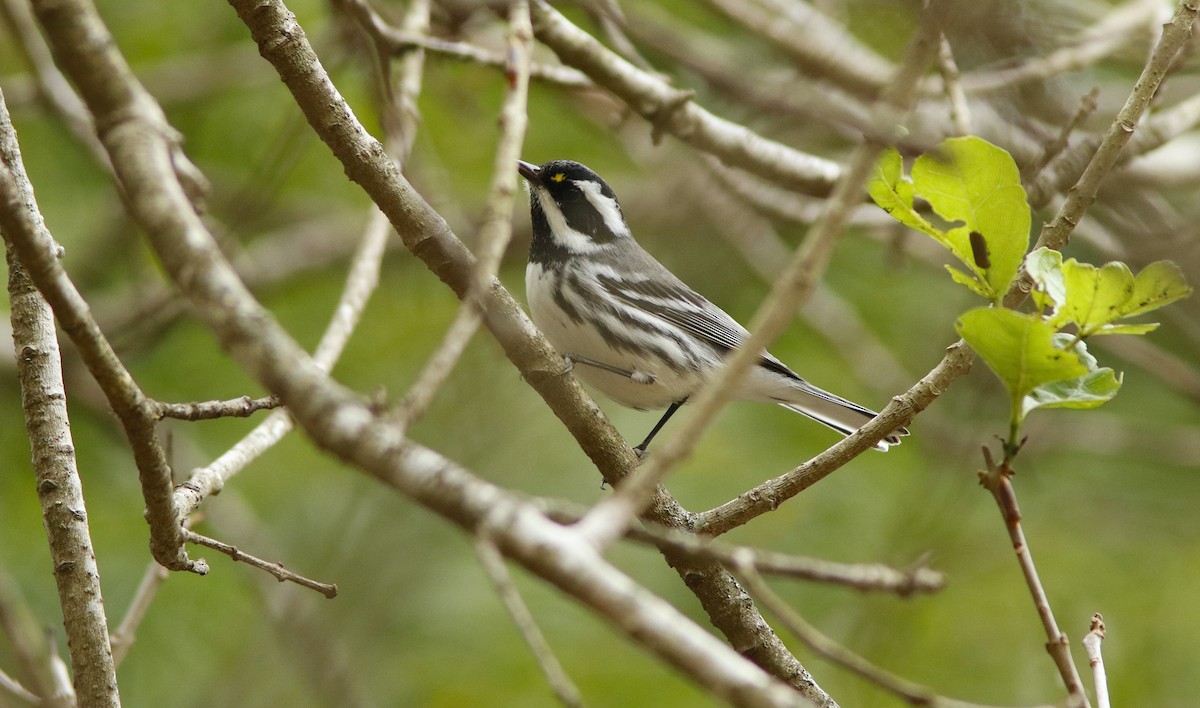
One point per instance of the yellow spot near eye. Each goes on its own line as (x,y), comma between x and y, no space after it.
(558,177)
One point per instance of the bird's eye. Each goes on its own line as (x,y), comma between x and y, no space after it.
(558,177)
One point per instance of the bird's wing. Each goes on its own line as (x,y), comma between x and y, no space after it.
(669,299)
(672,301)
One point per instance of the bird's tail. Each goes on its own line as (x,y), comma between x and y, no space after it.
(836,412)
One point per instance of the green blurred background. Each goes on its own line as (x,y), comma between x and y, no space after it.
(1109,496)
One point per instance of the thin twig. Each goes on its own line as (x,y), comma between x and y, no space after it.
(281,574)
(1083,193)
(1055,147)
(126,632)
(860,576)
(672,111)
(494,567)
(960,111)
(833,651)
(360,283)
(397,41)
(1091,643)
(52,85)
(243,407)
(30,645)
(997,479)
(12,692)
(1126,23)
(496,230)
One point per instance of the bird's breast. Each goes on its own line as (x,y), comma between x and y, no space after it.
(570,316)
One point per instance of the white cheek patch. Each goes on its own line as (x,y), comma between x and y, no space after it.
(562,233)
(605,206)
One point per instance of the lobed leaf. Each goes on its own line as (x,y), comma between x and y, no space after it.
(969,180)
(1088,391)
(894,194)
(976,187)
(1097,297)
(1159,284)
(1020,348)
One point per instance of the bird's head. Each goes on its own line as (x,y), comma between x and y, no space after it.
(572,208)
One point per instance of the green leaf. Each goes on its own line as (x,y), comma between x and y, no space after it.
(1020,348)
(975,187)
(1088,391)
(1159,283)
(894,194)
(1094,388)
(1096,297)
(1126,328)
(1044,266)
(973,283)
(969,180)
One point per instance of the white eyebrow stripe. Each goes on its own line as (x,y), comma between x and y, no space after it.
(560,231)
(605,205)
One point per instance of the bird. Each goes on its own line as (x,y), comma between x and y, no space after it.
(627,325)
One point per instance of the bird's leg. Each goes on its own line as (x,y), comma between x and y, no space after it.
(641,448)
(642,377)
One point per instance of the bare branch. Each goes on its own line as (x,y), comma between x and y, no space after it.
(812,637)
(243,407)
(12,692)
(1105,156)
(126,632)
(35,655)
(281,574)
(1091,642)
(496,230)
(39,254)
(997,479)
(773,492)
(44,400)
(493,564)
(960,111)
(672,111)
(397,41)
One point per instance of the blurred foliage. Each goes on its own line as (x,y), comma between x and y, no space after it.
(1109,496)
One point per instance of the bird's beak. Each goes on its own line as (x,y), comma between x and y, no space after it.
(532,173)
